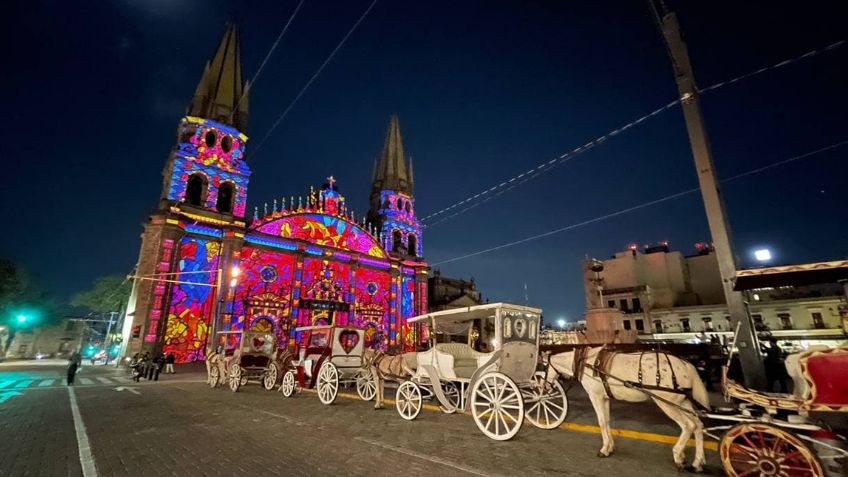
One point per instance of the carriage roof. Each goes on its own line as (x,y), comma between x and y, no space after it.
(471,313)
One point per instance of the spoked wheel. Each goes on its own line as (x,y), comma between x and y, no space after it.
(235,378)
(760,449)
(408,400)
(269,380)
(550,406)
(451,392)
(497,406)
(328,383)
(214,374)
(365,385)
(287,387)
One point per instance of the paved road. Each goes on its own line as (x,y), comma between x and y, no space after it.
(179,426)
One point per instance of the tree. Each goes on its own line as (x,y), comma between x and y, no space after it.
(14,285)
(107,294)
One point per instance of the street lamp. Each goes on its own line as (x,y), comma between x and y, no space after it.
(22,318)
(561,323)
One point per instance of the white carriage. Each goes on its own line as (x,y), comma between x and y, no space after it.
(330,357)
(485,359)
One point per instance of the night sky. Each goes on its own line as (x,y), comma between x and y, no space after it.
(93,92)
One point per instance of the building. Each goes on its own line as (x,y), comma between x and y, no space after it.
(668,296)
(445,293)
(204,266)
(50,341)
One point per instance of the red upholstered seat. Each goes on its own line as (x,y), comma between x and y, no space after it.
(826,373)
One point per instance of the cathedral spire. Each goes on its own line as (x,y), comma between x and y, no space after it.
(392,172)
(220,95)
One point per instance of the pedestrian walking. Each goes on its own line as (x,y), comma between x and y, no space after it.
(169,363)
(158,364)
(73,364)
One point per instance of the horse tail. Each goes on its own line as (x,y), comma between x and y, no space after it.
(699,391)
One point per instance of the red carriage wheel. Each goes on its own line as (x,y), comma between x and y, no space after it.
(764,450)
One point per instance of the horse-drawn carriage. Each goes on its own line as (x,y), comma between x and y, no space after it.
(256,357)
(484,358)
(330,357)
(788,434)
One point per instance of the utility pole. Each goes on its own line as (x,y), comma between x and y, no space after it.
(745,339)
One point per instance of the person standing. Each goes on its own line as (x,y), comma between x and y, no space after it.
(169,363)
(775,368)
(73,364)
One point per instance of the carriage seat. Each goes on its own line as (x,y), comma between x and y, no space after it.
(464,359)
(253,361)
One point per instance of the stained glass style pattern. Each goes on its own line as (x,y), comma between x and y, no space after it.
(189,314)
(325,230)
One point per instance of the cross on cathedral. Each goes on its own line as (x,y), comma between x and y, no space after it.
(331,181)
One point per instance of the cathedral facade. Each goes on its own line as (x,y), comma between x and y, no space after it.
(205,267)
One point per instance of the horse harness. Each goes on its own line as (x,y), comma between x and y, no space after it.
(603,362)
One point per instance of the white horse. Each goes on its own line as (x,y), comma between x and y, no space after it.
(626,368)
(382,365)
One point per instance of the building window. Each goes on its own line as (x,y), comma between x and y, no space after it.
(640,326)
(412,246)
(226,195)
(397,241)
(658,327)
(70,325)
(758,322)
(637,305)
(818,321)
(684,323)
(611,304)
(626,324)
(785,321)
(708,323)
(623,304)
(22,349)
(196,189)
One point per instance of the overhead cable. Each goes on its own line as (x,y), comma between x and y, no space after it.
(640,206)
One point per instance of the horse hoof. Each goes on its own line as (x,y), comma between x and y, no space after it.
(602,455)
(379,406)
(694,470)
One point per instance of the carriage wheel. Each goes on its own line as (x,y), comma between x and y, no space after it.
(551,406)
(408,400)
(269,380)
(235,378)
(213,376)
(287,387)
(451,392)
(328,383)
(497,406)
(760,449)
(365,385)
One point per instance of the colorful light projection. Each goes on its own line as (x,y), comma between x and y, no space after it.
(325,230)
(191,306)
(398,211)
(372,289)
(216,151)
(265,284)
(323,283)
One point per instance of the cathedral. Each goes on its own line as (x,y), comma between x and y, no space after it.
(206,268)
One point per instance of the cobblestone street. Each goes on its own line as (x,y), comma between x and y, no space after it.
(179,426)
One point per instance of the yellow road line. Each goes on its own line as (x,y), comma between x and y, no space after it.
(571,426)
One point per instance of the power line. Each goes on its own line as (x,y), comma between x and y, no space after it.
(314,76)
(641,206)
(545,166)
(267,56)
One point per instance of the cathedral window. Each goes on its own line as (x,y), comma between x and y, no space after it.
(400,204)
(412,245)
(196,189)
(210,138)
(408,208)
(227,144)
(397,241)
(226,194)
